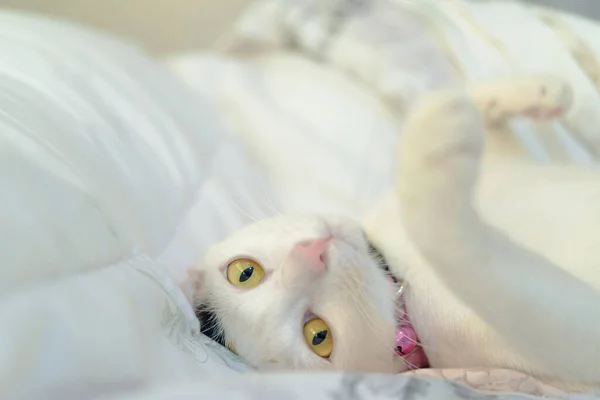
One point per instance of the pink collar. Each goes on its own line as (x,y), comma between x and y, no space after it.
(408,346)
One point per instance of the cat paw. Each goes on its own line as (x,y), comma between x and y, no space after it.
(537,97)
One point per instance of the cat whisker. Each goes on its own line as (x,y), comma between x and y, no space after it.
(246,213)
(251,200)
(359,300)
(270,203)
(410,365)
(429,349)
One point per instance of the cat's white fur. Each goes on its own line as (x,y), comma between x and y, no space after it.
(502,255)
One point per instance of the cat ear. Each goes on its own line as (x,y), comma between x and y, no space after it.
(194,286)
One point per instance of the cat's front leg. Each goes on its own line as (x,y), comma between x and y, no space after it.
(439,159)
(534,305)
(442,144)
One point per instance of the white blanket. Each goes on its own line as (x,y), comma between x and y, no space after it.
(114,178)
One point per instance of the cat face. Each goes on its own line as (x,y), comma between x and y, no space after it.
(301,293)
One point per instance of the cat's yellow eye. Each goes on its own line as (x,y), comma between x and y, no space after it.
(318,337)
(245,273)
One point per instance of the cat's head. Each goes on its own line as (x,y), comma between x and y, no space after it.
(301,292)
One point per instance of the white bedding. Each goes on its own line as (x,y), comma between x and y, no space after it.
(103,154)
(114,178)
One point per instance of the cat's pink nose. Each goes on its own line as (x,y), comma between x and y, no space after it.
(314,251)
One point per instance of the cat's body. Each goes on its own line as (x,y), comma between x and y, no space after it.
(501,255)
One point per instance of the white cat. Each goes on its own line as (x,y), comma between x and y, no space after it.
(499,257)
